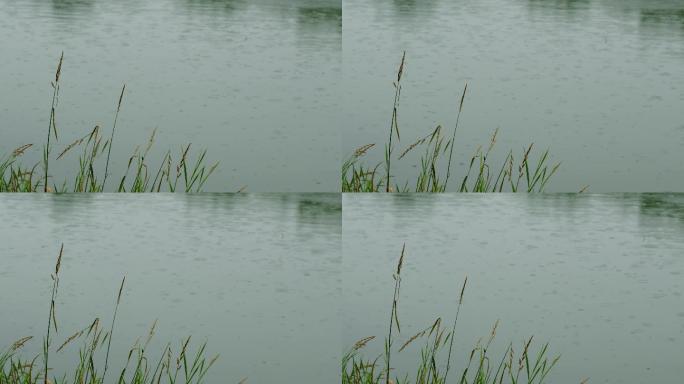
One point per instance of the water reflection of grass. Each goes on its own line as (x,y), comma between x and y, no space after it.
(186,366)
(181,173)
(434,170)
(434,362)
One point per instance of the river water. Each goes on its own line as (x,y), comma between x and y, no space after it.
(275,282)
(266,86)
(256,276)
(598,82)
(255,82)
(598,277)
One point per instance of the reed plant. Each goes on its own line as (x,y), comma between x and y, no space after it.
(434,362)
(16,178)
(186,366)
(522,174)
(184,170)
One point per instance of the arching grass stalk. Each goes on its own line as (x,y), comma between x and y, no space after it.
(187,366)
(185,174)
(14,177)
(481,367)
(453,328)
(362,179)
(111,138)
(534,177)
(52,126)
(432,176)
(52,318)
(394,124)
(451,143)
(111,330)
(394,317)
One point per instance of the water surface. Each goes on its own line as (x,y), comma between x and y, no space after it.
(599,82)
(253,275)
(597,276)
(253,81)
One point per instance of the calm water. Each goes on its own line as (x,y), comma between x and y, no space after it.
(254,275)
(598,276)
(253,81)
(597,81)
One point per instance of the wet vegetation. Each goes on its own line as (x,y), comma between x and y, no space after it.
(185,171)
(523,174)
(92,363)
(433,366)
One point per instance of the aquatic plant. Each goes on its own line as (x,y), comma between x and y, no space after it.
(139,368)
(181,173)
(433,367)
(513,175)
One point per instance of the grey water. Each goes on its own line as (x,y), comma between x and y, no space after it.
(252,275)
(255,82)
(598,82)
(598,277)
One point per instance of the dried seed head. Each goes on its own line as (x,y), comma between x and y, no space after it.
(59,260)
(401,259)
(69,340)
(20,151)
(460,300)
(20,343)
(401,67)
(360,151)
(59,68)
(362,343)
(412,339)
(121,97)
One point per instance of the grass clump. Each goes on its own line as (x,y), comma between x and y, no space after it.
(514,175)
(185,366)
(185,172)
(434,362)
